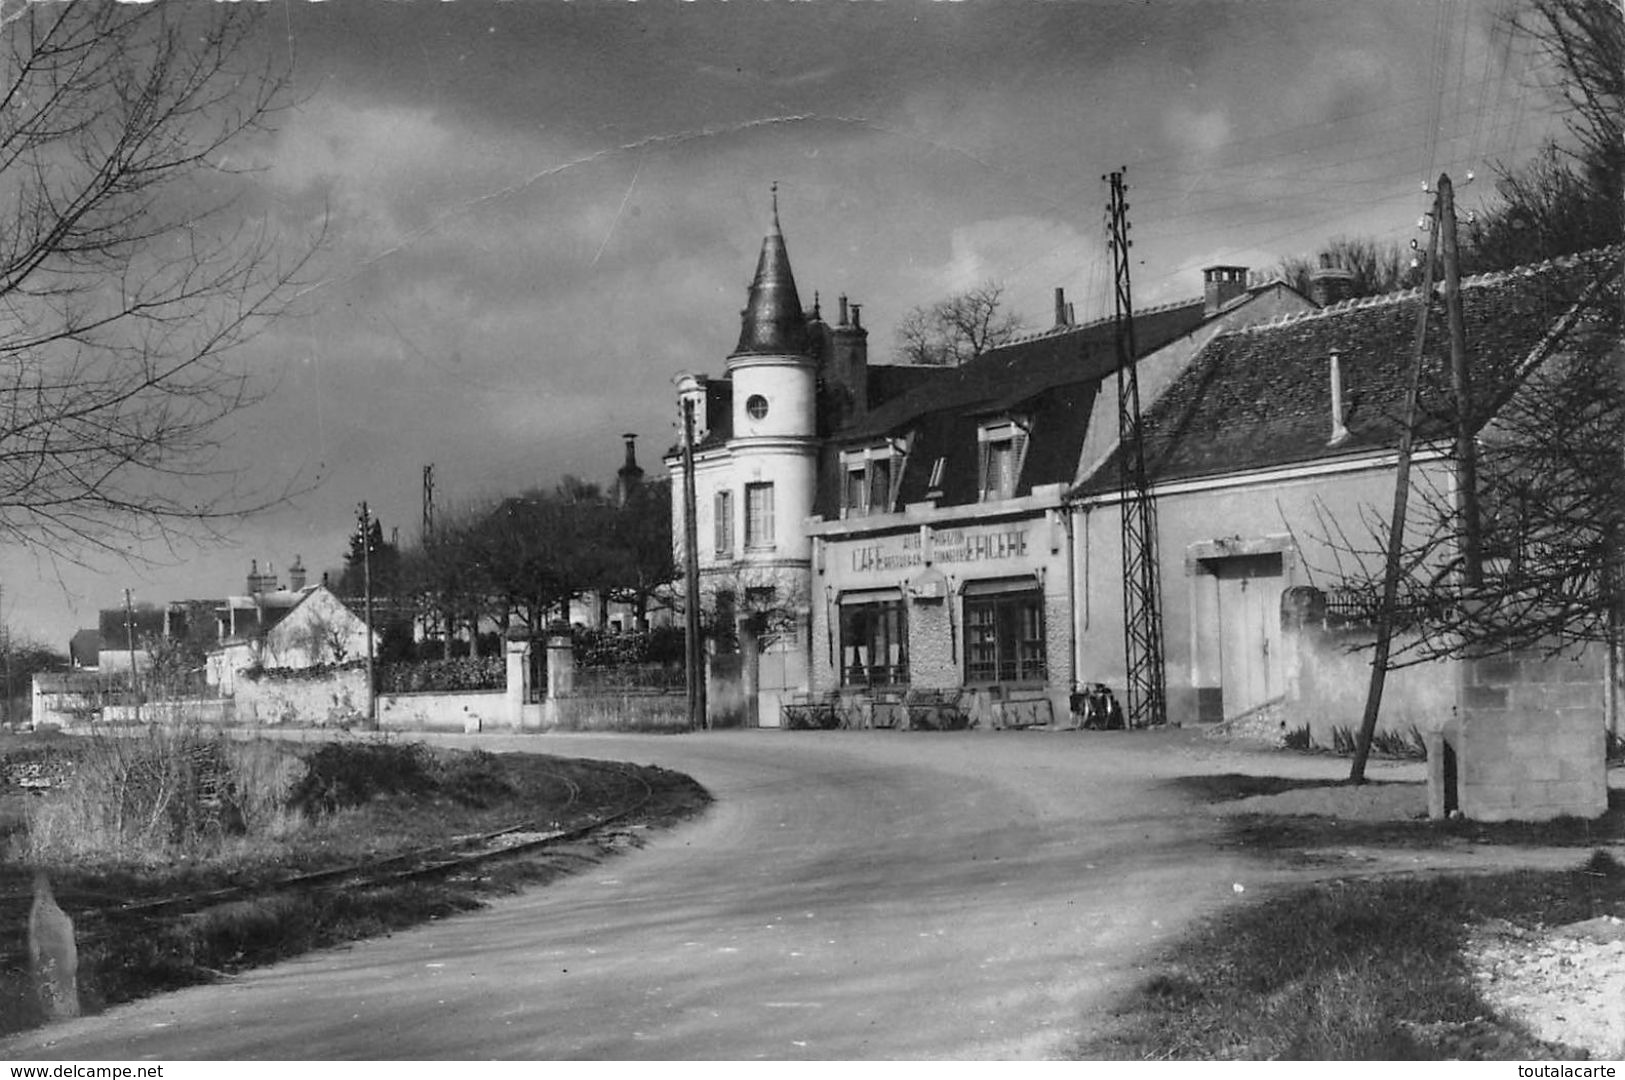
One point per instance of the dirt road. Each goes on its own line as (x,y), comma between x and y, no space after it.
(850,895)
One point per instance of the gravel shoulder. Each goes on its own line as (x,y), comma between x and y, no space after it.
(1566,983)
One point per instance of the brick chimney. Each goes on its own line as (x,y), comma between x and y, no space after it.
(296,574)
(1330,284)
(848,364)
(1222,284)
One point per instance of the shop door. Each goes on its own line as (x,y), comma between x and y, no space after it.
(781,671)
(1249,631)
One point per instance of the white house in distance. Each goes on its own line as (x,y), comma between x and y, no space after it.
(312,627)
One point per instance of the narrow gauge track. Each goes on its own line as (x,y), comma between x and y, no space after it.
(97,922)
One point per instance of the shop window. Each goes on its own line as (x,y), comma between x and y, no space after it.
(874,644)
(1002,446)
(1004,638)
(758,515)
(723,521)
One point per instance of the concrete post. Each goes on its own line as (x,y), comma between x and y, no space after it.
(518,661)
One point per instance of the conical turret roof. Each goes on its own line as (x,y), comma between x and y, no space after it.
(772,322)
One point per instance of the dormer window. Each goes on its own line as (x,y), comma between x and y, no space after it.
(869,479)
(1003,447)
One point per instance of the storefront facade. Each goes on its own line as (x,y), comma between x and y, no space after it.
(928,600)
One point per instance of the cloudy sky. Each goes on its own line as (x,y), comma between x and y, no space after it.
(539,211)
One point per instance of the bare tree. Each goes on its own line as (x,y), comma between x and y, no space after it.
(1585,40)
(1553,499)
(125,284)
(1377,268)
(957,330)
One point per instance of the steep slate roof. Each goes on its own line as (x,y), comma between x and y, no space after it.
(1052,377)
(773,323)
(1261,396)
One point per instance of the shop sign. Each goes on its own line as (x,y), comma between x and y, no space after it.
(946,546)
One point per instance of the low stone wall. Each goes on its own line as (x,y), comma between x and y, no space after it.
(1328,675)
(1529,744)
(332,699)
(466,710)
(209,712)
(627,711)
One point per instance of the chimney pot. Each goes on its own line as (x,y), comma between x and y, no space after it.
(1339,430)
(1060,307)
(843,309)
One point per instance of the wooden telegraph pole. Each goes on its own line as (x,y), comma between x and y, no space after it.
(366,600)
(1396,524)
(693,654)
(129,644)
(1472,575)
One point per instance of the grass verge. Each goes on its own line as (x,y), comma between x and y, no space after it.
(1363,969)
(351,803)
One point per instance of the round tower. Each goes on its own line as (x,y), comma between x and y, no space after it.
(774,375)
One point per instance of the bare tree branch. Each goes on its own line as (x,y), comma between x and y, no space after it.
(125,288)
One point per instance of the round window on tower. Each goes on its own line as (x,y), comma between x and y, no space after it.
(756,405)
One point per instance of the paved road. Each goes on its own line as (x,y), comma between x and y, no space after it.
(850,895)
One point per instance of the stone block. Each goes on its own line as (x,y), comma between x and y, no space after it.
(1483,697)
(1496,671)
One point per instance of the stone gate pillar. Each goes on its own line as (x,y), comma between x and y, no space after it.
(518,662)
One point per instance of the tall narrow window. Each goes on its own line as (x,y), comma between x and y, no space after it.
(856,496)
(874,644)
(880,486)
(723,521)
(1003,447)
(758,515)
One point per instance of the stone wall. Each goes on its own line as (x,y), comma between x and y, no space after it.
(333,699)
(1529,744)
(466,710)
(1327,669)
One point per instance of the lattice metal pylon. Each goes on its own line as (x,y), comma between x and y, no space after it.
(1146,689)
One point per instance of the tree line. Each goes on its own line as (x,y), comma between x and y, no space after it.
(517,562)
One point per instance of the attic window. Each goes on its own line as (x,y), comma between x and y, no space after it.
(934,485)
(869,479)
(1002,447)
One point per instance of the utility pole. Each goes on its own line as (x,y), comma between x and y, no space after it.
(129,643)
(366,600)
(692,653)
(1146,688)
(427,528)
(1467,514)
(1396,523)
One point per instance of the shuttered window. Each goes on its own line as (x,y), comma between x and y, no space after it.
(723,520)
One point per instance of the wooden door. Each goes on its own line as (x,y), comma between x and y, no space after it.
(1249,631)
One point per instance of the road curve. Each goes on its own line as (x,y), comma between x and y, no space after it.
(850,895)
